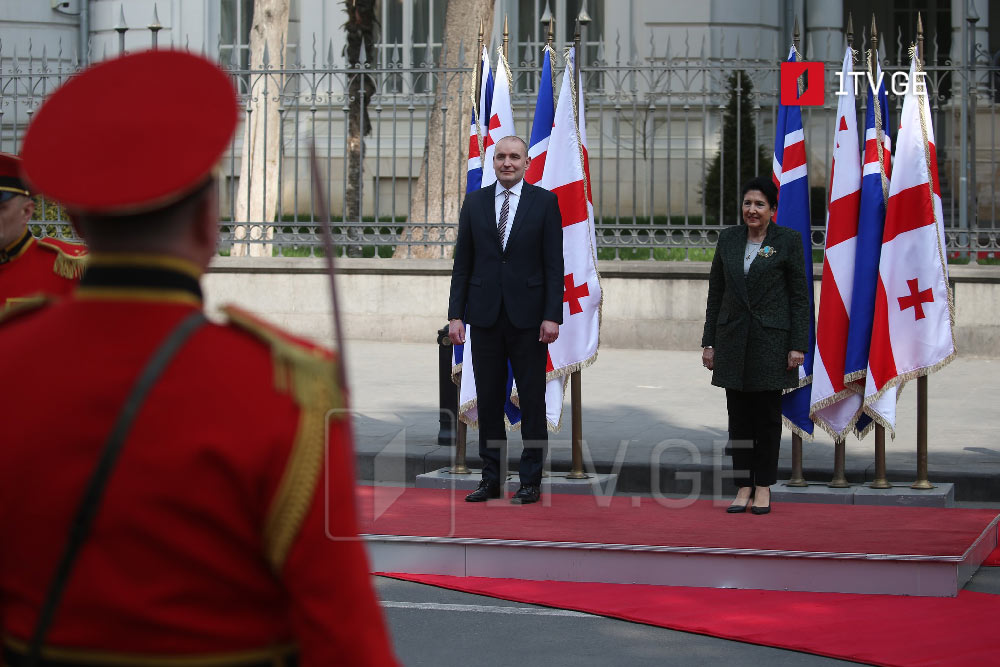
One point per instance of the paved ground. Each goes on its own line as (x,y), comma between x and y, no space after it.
(655,415)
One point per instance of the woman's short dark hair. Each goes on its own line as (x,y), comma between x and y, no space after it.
(765,186)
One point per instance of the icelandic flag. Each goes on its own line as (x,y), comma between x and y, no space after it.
(834,407)
(501,118)
(792,179)
(871,220)
(912,327)
(541,125)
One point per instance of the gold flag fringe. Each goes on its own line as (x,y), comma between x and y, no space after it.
(807,380)
(796,430)
(853,381)
(566,371)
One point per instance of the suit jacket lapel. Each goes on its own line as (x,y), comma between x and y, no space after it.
(527,194)
(490,213)
(733,260)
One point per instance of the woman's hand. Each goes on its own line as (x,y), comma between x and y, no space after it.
(795,359)
(708,358)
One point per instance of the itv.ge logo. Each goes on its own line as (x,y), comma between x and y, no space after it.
(812,76)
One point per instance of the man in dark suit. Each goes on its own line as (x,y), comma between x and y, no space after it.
(507,283)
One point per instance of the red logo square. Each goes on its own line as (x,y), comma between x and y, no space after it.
(812,74)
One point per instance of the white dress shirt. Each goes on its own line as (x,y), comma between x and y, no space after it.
(515,197)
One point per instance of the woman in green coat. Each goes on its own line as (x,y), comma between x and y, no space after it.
(756,332)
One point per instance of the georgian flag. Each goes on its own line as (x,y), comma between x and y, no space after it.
(501,118)
(871,221)
(791,176)
(912,328)
(567,174)
(834,407)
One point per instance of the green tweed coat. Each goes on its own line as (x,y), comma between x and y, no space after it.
(754,322)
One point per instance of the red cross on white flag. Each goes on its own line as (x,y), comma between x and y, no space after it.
(567,174)
(912,330)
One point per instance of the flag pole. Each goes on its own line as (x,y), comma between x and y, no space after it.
(880,481)
(796,478)
(576,393)
(461,428)
(922,481)
(479,70)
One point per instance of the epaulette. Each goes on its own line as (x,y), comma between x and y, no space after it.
(306,373)
(19,306)
(71,258)
(302,370)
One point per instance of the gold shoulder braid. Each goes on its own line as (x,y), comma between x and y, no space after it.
(307,375)
(69,265)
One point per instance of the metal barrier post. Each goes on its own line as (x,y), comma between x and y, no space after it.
(447,391)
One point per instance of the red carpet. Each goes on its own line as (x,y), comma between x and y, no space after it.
(700,523)
(877,629)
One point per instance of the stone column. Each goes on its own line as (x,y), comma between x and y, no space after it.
(824,30)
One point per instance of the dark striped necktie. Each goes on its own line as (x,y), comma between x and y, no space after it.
(504,213)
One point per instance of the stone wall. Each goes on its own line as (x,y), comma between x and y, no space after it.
(646,304)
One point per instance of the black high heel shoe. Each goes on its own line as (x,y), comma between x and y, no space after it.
(739,509)
(765,509)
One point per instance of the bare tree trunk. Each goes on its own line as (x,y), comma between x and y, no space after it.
(449,154)
(360,51)
(257,194)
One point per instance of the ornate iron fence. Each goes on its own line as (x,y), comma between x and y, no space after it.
(654,126)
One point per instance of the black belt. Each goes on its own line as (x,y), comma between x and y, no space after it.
(12,658)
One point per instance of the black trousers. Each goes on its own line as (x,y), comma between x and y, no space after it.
(491,348)
(754,436)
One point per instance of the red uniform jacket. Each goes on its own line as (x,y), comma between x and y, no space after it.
(226,529)
(30,267)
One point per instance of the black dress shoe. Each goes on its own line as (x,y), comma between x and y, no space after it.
(761,510)
(527,494)
(737,509)
(486,491)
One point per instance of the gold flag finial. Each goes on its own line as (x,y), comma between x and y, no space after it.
(795,33)
(850,30)
(874,36)
(552,31)
(506,35)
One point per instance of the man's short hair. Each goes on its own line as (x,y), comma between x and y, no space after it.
(524,143)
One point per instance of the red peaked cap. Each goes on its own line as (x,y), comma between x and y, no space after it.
(131,134)
(10,177)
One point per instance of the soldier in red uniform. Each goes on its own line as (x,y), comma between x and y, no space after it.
(223,530)
(29,266)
